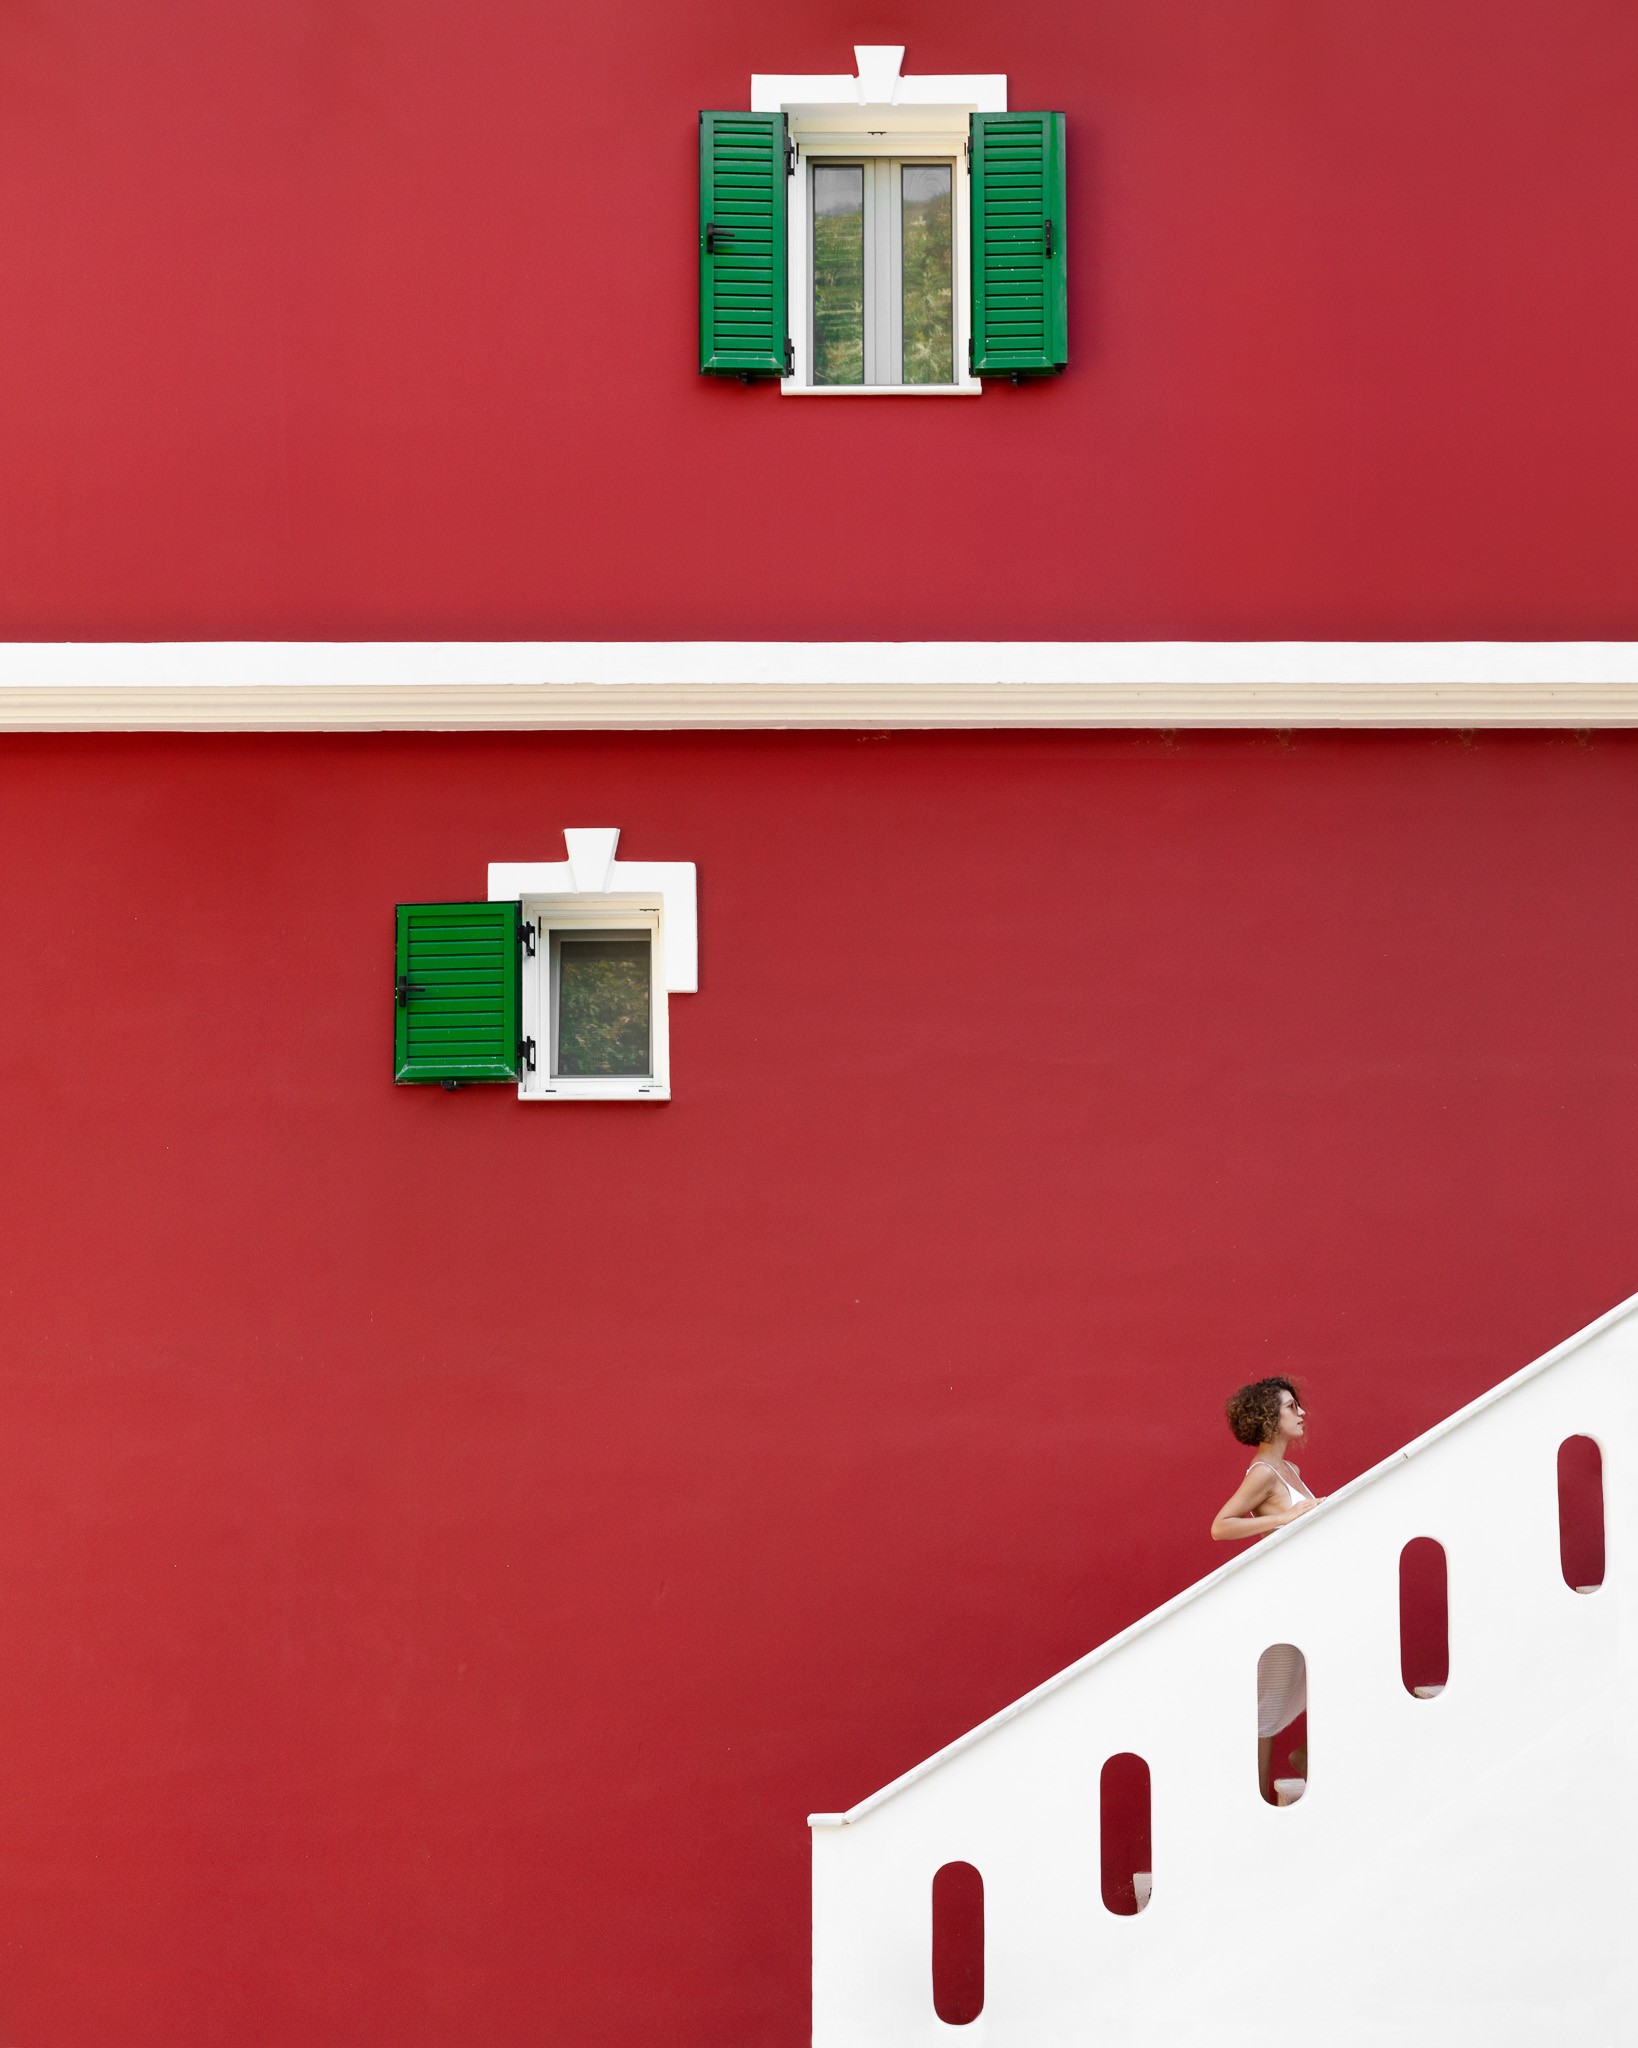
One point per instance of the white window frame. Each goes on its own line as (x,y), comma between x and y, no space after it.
(882,223)
(592,891)
(554,915)
(878,113)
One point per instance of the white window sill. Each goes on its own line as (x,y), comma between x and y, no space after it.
(790,387)
(595,1091)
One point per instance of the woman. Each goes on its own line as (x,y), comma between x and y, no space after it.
(1267,1416)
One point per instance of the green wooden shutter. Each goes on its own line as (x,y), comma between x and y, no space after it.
(457,992)
(1019,290)
(743,328)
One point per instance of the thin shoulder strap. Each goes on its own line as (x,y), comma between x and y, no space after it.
(1280,1476)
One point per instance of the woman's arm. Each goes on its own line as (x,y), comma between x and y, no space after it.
(1239,1516)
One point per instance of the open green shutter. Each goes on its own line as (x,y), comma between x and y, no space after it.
(743,329)
(457,992)
(1020,294)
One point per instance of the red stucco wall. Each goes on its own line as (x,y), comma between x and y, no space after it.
(379,319)
(447,1546)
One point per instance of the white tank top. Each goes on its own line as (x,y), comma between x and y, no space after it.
(1292,1493)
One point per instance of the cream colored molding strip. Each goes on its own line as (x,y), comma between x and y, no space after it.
(485,686)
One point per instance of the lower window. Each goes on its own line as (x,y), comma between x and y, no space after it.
(594,1002)
(882,237)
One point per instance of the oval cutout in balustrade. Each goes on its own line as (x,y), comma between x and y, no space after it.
(1282,1724)
(1124,1853)
(958,1944)
(1581,1513)
(1424,1618)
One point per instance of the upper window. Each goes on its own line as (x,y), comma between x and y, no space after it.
(881,234)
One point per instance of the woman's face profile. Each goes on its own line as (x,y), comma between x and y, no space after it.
(1291,1417)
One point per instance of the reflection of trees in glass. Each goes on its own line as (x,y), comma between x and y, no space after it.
(838,274)
(602,1006)
(929,332)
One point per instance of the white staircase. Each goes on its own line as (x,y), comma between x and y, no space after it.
(1462,1868)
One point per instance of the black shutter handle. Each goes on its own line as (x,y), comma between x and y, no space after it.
(714,234)
(1049,235)
(408,988)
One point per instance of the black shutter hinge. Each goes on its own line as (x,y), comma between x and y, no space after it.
(790,158)
(790,357)
(526,1054)
(967,148)
(408,988)
(1049,235)
(526,938)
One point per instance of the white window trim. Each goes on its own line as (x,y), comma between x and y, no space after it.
(593,889)
(634,913)
(876,113)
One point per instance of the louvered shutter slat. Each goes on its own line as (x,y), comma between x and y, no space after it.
(742,245)
(457,992)
(1020,301)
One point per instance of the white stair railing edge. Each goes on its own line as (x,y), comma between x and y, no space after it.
(1243,1562)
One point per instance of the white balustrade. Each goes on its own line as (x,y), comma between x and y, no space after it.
(1462,1867)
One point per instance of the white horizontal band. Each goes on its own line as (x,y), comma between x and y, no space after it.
(276,685)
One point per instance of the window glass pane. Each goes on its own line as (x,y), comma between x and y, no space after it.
(603,1006)
(838,273)
(929,330)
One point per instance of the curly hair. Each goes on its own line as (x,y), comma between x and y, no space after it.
(1253,1411)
